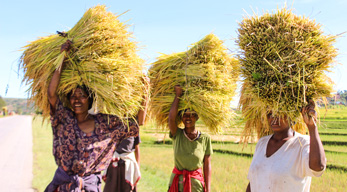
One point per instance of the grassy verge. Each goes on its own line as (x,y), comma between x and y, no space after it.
(229,171)
(331,180)
(156,167)
(44,165)
(333,112)
(342,138)
(337,148)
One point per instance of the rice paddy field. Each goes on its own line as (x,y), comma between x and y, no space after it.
(230,161)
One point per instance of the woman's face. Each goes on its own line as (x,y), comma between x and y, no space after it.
(278,123)
(189,119)
(79,101)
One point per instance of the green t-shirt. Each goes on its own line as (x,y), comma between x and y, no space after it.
(189,155)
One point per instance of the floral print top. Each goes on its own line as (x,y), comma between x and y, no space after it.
(81,153)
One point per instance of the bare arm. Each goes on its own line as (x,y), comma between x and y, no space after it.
(317,154)
(174,110)
(207,172)
(53,84)
(248,187)
(137,154)
(141,115)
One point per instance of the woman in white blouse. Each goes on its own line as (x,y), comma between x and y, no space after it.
(286,160)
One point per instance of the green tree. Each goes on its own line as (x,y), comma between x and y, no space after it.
(343,95)
(2,103)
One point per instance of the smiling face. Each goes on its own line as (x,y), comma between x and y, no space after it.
(278,123)
(79,101)
(189,119)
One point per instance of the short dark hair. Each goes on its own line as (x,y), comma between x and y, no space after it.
(87,91)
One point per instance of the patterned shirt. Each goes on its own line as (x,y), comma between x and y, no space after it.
(81,153)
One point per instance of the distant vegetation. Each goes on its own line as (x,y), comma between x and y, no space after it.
(19,106)
(2,102)
(340,98)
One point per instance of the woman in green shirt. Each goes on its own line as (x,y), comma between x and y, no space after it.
(192,151)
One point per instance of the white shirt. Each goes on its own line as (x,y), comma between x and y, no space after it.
(285,170)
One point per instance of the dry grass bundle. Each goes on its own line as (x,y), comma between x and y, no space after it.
(283,59)
(103,58)
(208,77)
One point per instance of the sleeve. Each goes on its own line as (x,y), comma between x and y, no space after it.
(59,113)
(137,140)
(305,159)
(173,137)
(209,150)
(259,144)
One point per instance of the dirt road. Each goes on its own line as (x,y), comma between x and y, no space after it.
(16,157)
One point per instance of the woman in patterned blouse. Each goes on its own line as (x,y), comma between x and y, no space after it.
(82,143)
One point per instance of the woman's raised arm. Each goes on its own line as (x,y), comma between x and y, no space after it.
(174,110)
(53,84)
(141,115)
(317,160)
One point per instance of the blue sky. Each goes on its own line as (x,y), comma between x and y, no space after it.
(159,27)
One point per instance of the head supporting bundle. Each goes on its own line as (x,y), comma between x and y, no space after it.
(102,57)
(283,60)
(207,75)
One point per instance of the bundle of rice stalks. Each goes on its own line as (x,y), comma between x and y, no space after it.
(103,58)
(208,77)
(283,59)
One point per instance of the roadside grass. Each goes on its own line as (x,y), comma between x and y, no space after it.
(235,147)
(229,171)
(333,112)
(342,138)
(250,148)
(333,124)
(337,159)
(337,148)
(333,155)
(331,180)
(156,166)
(44,164)
(333,131)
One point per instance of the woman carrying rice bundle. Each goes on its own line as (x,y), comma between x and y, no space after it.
(286,160)
(284,61)
(82,143)
(123,173)
(192,151)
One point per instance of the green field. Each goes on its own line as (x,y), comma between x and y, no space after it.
(230,161)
